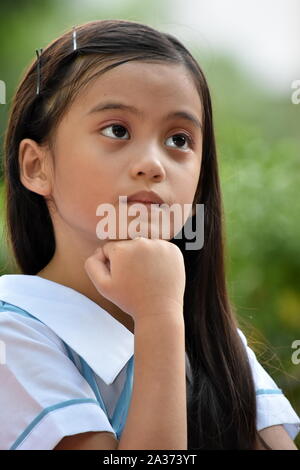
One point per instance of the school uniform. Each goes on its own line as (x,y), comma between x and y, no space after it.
(66,367)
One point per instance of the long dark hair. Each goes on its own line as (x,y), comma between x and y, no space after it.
(222,406)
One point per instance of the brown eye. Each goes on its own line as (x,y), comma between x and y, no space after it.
(181,139)
(117,131)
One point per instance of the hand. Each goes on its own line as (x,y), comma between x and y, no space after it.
(141,276)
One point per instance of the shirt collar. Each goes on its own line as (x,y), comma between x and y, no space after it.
(103,342)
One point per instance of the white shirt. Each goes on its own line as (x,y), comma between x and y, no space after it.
(66,367)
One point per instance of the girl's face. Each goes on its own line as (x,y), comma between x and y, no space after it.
(103,154)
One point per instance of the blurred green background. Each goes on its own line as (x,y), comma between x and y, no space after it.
(258,145)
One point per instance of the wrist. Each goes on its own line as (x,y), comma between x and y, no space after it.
(159,303)
(166,315)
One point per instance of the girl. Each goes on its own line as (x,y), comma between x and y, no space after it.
(113,108)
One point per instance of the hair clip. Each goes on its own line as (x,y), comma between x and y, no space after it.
(74,39)
(38,53)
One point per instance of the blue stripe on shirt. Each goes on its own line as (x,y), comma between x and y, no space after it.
(272,391)
(46,411)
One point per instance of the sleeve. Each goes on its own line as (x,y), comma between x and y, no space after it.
(43,396)
(273,407)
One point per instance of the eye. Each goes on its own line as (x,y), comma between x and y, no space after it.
(180,138)
(117,128)
(118,132)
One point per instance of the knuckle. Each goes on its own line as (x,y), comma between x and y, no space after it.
(87,262)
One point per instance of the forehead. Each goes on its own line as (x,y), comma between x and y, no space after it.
(153,87)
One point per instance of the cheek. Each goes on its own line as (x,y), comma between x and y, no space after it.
(187,184)
(194,178)
(186,192)
(80,186)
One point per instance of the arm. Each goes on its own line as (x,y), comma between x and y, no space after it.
(157,416)
(157,413)
(277,438)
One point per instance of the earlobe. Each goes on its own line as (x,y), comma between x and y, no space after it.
(32,165)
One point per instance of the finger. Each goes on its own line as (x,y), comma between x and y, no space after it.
(97,267)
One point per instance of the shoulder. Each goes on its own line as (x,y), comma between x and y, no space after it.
(273,408)
(42,388)
(17,323)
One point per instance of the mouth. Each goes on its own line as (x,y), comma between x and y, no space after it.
(146,203)
(145,197)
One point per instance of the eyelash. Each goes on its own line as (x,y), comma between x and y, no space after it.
(189,138)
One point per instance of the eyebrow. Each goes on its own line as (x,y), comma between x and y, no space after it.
(114,105)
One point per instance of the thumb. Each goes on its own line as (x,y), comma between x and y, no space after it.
(97,267)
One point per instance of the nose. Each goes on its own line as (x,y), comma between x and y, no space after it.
(149,167)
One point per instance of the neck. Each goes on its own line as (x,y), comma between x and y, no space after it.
(77,279)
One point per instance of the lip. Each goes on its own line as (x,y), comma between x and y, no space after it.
(145,197)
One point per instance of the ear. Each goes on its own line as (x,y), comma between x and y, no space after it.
(34,167)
